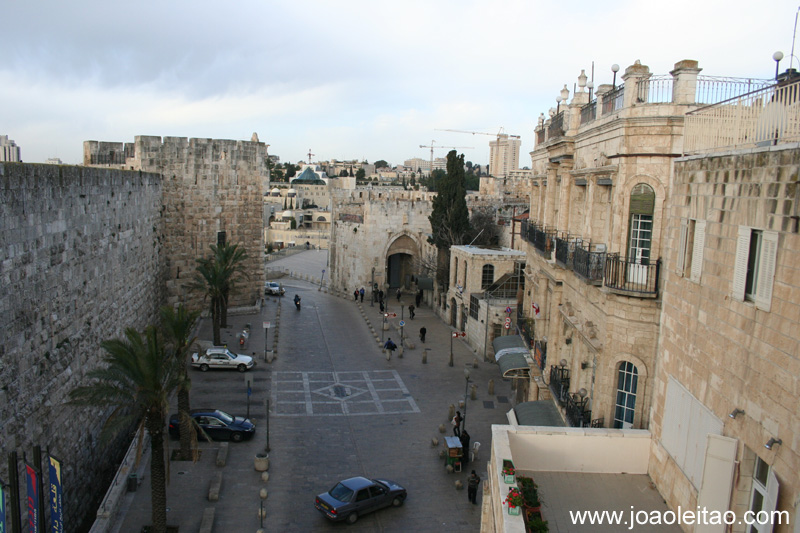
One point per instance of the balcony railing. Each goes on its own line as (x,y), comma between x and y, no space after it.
(589,112)
(544,241)
(556,128)
(612,100)
(765,117)
(540,136)
(576,413)
(559,383)
(654,90)
(711,89)
(565,250)
(632,276)
(589,265)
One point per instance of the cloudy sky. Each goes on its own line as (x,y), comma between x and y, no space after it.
(347,79)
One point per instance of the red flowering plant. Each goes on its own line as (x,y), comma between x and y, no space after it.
(508,470)
(514,497)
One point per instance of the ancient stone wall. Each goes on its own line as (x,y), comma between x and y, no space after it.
(727,353)
(80,261)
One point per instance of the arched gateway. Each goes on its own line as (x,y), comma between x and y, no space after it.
(400,257)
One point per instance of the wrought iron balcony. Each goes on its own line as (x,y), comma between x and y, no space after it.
(588,264)
(636,277)
(576,413)
(544,241)
(589,112)
(556,128)
(565,249)
(559,383)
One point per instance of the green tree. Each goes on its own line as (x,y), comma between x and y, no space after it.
(343,173)
(291,170)
(177,324)
(449,216)
(380,163)
(484,230)
(217,275)
(136,383)
(231,258)
(472,182)
(360,173)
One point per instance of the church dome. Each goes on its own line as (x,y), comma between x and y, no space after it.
(275,192)
(291,193)
(287,214)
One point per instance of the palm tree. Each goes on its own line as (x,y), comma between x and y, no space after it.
(209,278)
(230,258)
(177,327)
(136,384)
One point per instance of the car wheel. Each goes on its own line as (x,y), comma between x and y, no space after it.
(236,437)
(242,368)
(204,367)
(352,518)
(398,501)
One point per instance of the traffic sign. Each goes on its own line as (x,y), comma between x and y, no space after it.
(507,325)
(390,315)
(402,323)
(508,310)
(508,320)
(459,334)
(266,325)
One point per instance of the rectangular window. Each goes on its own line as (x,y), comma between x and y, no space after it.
(690,248)
(763,495)
(220,238)
(754,268)
(474,305)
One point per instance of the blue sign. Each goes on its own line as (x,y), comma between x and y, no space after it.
(2,508)
(402,323)
(56,507)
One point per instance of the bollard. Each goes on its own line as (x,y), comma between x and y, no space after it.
(459,485)
(399,352)
(263,494)
(473,392)
(434,442)
(388,354)
(265,477)
(449,469)
(475,363)
(461,404)
(425,356)
(442,428)
(491,387)
(451,412)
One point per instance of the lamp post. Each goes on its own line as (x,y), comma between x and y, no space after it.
(466,389)
(558,104)
(777,56)
(590,85)
(614,69)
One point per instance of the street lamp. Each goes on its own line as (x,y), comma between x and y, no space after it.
(777,56)
(466,389)
(614,69)
(558,104)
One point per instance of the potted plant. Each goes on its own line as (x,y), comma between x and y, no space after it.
(514,500)
(530,495)
(537,525)
(508,471)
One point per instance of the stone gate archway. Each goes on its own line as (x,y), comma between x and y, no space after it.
(400,261)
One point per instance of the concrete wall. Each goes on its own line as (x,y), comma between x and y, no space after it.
(80,252)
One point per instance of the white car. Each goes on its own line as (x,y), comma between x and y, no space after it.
(222,358)
(274,289)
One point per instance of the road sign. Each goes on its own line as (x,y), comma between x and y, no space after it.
(390,315)
(459,334)
(508,321)
(508,310)
(267,325)
(402,323)
(507,325)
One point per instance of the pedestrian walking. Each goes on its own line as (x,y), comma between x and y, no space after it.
(355,295)
(457,424)
(418,298)
(399,294)
(380,295)
(411,311)
(380,303)
(465,445)
(361,294)
(473,481)
(422,332)
(390,347)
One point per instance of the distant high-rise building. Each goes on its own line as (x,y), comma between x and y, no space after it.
(9,151)
(504,155)
(54,161)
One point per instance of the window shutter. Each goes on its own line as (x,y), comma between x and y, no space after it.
(771,501)
(681,265)
(715,493)
(740,264)
(697,252)
(766,272)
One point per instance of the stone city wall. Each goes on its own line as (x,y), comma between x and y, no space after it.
(80,261)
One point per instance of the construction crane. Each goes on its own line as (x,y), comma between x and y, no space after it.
(431,146)
(498,134)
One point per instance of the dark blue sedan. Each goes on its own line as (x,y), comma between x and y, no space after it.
(216,425)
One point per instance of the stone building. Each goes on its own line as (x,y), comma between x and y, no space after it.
(212,192)
(9,151)
(504,155)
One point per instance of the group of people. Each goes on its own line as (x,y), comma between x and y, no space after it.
(473,481)
(358,293)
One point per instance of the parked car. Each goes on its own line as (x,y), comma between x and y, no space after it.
(357,496)
(274,289)
(222,358)
(216,424)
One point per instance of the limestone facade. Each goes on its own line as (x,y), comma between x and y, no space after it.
(212,190)
(727,358)
(81,258)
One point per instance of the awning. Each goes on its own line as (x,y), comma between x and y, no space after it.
(541,413)
(514,365)
(425,284)
(508,341)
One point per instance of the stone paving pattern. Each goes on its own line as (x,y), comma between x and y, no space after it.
(311,451)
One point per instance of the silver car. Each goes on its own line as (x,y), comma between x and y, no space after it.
(357,496)
(274,289)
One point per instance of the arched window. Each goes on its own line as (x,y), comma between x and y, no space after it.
(627,382)
(487,276)
(640,226)
(465,275)
(455,273)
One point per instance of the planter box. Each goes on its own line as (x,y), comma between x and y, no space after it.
(509,479)
(513,510)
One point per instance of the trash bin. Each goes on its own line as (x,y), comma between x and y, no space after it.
(133,482)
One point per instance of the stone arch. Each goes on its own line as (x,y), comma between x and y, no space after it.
(659,206)
(400,252)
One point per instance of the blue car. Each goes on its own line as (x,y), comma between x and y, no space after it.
(357,496)
(216,424)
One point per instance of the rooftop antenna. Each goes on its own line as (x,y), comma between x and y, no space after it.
(476,237)
(794,36)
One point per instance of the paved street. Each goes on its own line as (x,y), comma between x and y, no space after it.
(338,409)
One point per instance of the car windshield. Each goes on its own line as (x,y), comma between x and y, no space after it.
(341,493)
(232,355)
(225,417)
